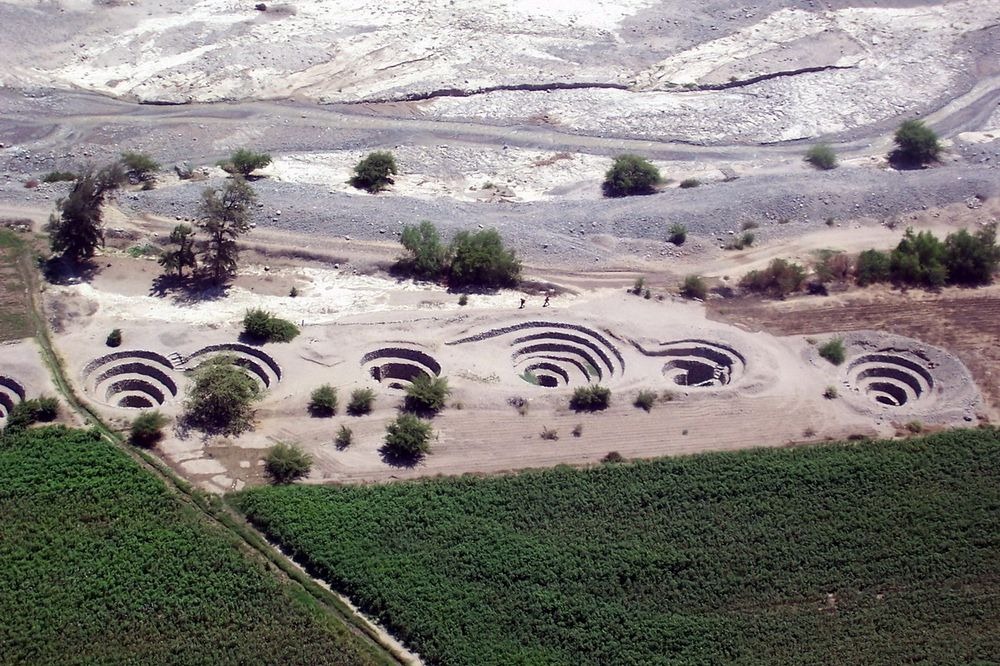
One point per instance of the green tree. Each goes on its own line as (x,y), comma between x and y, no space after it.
(822,156)
(323,401)
(147,429)
(833,351)
(872,267)
(76,232)
(915,142)
(182,256)
(139,167)
(221,397)
(287,462)
(408,436)
(480,259)
(374,173)
(590,398)
(919,260)
(631,174)
(779,279)
(226,214)
(244,162)
(972,259)
(427,257)
(361,401)
(427,394)
(262,326)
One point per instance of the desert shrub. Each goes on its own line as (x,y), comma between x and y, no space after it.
(519,403)
(244,162)
(46,408)
(262,326)
(427,394)
(139,167)
(677,234)
(694,287)
(31,183)
(915,427)
(613,457)
(221,397)
(741,241)
(972,259)
(578,430)
(688,183)
(361,402)
(916,143)
(58,177)
(480,259)
(872,266)
(631,174)
(344,438)
(830,393)
(779,279)
(147,429)
(832,266)
(748,225)
(822,156)
(918,260)
(639,285)
(590,398)
(645,399)
(287,462)
(374,172)
(550,434)
(427,256)
(323,401)
(293,292)
(463,300)
(33,410)
(408,436)
(833,351)
(114,338)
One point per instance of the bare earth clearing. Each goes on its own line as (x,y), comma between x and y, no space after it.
(507,115)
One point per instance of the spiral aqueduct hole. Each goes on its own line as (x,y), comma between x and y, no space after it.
(397,367)
(133,379)
(890,378)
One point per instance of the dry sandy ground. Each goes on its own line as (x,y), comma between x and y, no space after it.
(774,393)
(793,70)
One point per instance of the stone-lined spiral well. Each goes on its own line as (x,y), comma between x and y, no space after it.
(699,363)
(136,379)
(258,364)
(397,367)
(890,377)
(556,354)
(11,393)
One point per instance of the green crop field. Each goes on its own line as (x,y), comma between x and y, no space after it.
(99,563)
(859,553)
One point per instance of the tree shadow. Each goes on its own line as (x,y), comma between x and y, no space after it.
(189,289)
(401,460)
(62,271)
(903,161)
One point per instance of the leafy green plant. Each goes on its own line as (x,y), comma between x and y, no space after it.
(833,351)
(480,259)
(362,401)
(408,436)
(287,462)
(221,397)
(630,175)
(916,143)
(114,338)
(244,162)
(147,429)
(779,279)
(645,399)
(677,233)
(344,438)
(694,287)
(822,157)
(139,167)
(263,326)
(741,241)
(591,398)
(427,394)
(374,173)
(323,401)
(872,266)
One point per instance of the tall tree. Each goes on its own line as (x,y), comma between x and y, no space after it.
(76,232)
(226,216)
(182,256)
